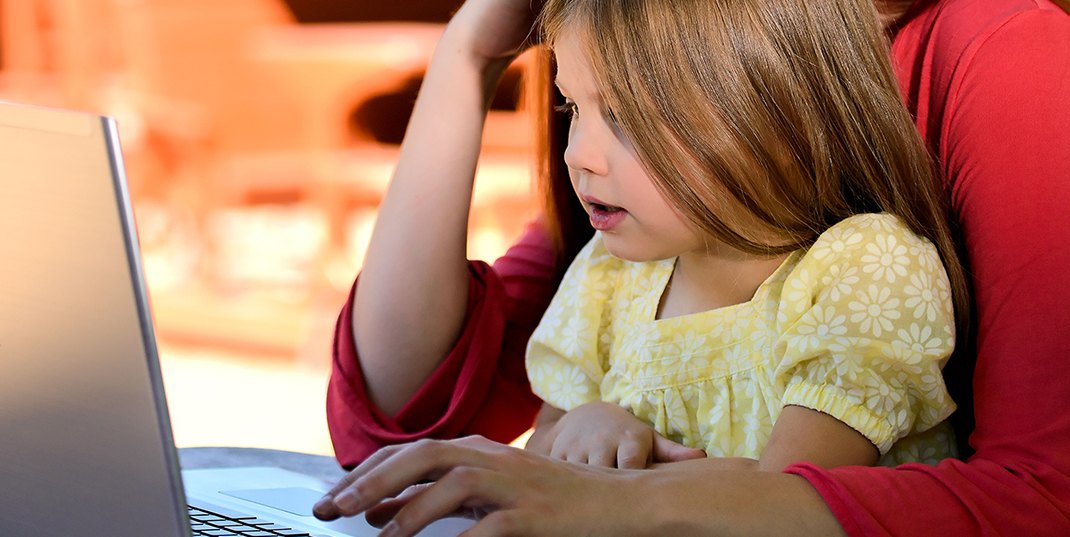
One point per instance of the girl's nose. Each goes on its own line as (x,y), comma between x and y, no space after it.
(585,152)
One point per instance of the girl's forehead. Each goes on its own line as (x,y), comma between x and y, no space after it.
(574,72)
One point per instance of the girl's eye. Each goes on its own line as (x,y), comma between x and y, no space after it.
(568,108)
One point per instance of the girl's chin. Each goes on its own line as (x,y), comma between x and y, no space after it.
(636,251)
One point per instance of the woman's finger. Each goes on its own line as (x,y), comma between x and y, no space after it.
(381,514)
(325,508)
(426,460)
(462,488)
(500,523)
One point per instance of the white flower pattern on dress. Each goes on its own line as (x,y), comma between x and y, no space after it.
(875,310)
(857,327)
(922,297)
(840,281)
(567,387)
(885,259)
(912,345)
(816,329)
(836,241)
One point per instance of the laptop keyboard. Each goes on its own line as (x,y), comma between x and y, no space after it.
(227,523)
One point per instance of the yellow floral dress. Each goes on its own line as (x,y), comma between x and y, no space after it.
(858,327)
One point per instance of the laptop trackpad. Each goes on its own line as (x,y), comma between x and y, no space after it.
(297,501)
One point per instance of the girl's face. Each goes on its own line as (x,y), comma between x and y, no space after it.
(636,221)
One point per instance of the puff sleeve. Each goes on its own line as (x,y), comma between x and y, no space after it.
(866,325)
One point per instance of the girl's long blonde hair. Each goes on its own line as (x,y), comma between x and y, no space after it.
(764,122)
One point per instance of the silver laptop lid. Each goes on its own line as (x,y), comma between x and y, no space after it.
(85,441)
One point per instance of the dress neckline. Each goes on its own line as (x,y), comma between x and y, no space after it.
(663,272)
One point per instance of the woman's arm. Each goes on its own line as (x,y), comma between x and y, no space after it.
(481,385)
(521,493)
(409,304)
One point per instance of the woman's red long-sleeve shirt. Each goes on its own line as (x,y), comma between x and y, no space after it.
(988,82)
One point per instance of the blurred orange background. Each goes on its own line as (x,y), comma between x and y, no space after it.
(259,137)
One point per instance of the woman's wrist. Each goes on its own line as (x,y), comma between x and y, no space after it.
(458,44)
(454,59)
(626,509)
(704,499)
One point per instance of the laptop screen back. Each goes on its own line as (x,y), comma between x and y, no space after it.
(85,443)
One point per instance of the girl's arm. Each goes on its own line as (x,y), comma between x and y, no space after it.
(803,434)
(409,304)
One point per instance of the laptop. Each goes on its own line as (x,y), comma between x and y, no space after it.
(86,447)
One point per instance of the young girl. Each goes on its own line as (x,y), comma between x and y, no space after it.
(766,281)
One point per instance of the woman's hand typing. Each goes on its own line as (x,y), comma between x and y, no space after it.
(515,492)
(519,493)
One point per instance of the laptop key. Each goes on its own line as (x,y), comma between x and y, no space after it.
(219,533)
(272,527)
(223,523)
(253,521)
(243,529)
(229,513)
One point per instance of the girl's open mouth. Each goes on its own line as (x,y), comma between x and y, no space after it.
(605,217)
(605,208)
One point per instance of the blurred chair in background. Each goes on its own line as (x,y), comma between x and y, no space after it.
(312,11)
(257,146)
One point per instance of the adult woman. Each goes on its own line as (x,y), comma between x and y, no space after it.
(985,81)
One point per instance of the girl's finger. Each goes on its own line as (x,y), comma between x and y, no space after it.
(559,449)
(576,457)
(632,454)
(604,456)
(666,450)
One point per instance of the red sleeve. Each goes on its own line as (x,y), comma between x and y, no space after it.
(1006,150)
(481,387)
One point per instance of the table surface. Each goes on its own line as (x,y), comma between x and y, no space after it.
(319,466)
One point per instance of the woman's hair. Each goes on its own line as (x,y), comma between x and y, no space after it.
(764,123)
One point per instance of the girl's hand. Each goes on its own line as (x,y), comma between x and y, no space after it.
(516,492)
(495,29)
(604,434)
